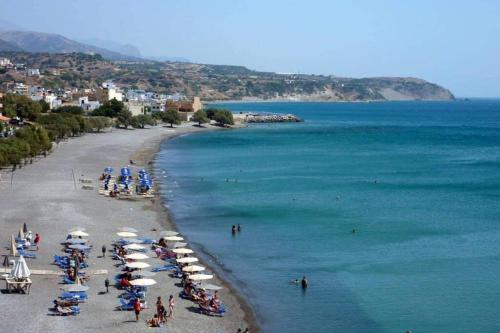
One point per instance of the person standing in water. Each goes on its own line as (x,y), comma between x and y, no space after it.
(304,282)
(239,227)
(233,230)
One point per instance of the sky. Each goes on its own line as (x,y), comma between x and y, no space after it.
(454,43)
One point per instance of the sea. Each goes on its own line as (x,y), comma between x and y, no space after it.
(391,210)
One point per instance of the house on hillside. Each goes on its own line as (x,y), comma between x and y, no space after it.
(87,105)
(20,89)
(33,72)
(5,62)
(186,108)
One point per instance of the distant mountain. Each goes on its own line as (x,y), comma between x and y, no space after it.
(125,49)
(9,47)
(40,42)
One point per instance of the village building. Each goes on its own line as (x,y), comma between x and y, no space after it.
(33,72)
(186,108)
(87,105)
(5,62)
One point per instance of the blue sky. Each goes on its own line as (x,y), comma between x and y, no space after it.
(452,43)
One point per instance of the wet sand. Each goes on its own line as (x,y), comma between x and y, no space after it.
(48,196)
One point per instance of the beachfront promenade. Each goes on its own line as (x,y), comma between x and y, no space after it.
(49,198)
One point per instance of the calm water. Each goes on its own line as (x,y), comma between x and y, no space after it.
(420,183)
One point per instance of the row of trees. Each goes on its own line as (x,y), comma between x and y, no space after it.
(27,143)
(65,124)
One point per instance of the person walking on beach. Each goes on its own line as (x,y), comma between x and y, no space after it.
(37,241)
(171,305)
(137,308)
(103,249)
(106,284)
(159,305)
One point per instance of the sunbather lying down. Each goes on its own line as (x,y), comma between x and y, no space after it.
(65,310)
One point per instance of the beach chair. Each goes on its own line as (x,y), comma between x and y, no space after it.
(210,311)
(27,254)
(66,311)
(79,297)
(164,268)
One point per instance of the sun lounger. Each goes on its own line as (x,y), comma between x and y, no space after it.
(165,268)
(208,310)
(128,305)
(27,254)
(66,311)
(79,295)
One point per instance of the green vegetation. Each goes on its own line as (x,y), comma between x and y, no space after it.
(172,117)
(109,109)
(200,117)
(27,143)
(69,109)
(20,106)
(221,116)
(142,120)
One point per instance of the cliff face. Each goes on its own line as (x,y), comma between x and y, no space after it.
(216,82)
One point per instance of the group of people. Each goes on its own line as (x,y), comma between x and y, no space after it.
(235,229)
(161,315)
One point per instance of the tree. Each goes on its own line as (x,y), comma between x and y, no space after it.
(142,120)
(123,118)
(45,106)
(172,117)
(200,117)
(111,109)
(20,106)
(211,112)
(71,109)
(224,117)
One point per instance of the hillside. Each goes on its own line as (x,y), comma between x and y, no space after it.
(216,82)
(6,47)
(31,41)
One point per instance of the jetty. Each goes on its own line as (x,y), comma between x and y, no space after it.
(269,118)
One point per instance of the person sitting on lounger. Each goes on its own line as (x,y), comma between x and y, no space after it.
(125,283)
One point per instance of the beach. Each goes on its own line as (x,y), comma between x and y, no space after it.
(48,196)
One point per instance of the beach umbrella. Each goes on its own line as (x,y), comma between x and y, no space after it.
(13,246)
(76,241)
(169,233)
(174,238)
(127,229)
(178,244)
(210,287)
(143,282)
(187,260)
(76,229)
(6,262)
(134,246)
(79,247)
(21,270)
(25,227)
(182,251)
(193,268)
(136,256)
(20,235)
(79,233)
(142,171)
(74,288)
(200,277)
(126,234)
(125,172)
(108,170)
(137,264)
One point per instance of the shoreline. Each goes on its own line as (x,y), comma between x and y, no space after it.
(165,218)
(48,196)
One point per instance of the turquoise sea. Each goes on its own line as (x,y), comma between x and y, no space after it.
(419,181)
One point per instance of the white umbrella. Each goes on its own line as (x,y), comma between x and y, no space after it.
(178,244)
(182,251)
(174,238)
(21,270)
(199,277)
(210,287)
(126,234)
(20,235)
(78,233)
(137,264)
(136,256)
(187,260)
(134,246)
(143,282)
(168,233)
(76,229)
(193,268)
(127,229)
(75,288)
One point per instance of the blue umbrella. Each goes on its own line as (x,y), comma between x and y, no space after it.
(108,170)
(142,171)
(125,171)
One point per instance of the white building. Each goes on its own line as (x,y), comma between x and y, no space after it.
(115,93)
(33,72)
(5,62)
(87,105)
(136,108)
(108,85)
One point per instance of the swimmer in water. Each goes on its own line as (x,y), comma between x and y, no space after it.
(304,282)
(233,230)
